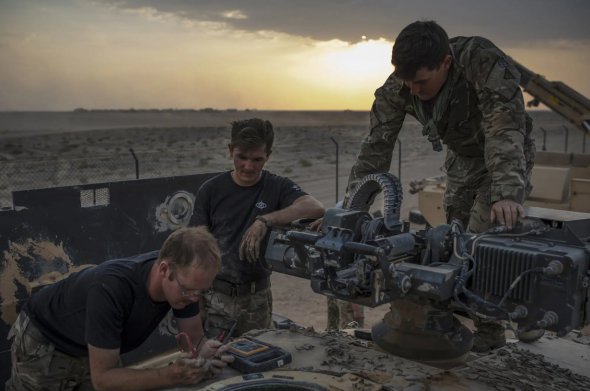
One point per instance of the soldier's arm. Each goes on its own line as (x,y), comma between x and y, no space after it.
(304,206)
(496,81)
(387,117)
(106,374)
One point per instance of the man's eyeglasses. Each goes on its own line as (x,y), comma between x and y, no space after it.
(191,292)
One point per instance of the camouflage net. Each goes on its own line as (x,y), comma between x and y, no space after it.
(512,368)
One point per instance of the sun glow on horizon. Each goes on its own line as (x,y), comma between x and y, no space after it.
(335,75)
(86,54)
(354,63)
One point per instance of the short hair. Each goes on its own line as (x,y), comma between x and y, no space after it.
(252,133)
(420,44)
(192,246)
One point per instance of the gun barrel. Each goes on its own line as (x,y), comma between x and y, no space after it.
(303,237)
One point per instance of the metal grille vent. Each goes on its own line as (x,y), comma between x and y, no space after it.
(497,268)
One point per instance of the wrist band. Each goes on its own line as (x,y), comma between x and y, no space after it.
(265,221)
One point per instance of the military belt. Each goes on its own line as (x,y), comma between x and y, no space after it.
(247,288)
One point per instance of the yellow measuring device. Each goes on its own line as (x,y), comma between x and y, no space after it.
(252,355)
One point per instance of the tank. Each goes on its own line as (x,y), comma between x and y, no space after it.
(52,232)
(340,361)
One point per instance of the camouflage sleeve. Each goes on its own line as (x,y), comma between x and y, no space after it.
(496,81)
(387,117)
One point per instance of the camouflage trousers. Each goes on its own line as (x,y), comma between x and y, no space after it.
(467,196)
(247,312)
(468,193)
(36,365)
(341,314)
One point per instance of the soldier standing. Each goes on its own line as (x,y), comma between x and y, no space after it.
(465,92)
(239,207)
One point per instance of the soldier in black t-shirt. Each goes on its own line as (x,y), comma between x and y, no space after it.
(71,333)
(239,207)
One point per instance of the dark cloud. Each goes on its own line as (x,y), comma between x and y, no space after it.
(504,21)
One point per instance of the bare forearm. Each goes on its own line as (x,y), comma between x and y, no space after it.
(106,373)
(303,207)
(127,379)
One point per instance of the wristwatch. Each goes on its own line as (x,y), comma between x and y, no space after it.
(265,221)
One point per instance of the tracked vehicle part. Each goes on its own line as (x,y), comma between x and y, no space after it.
(368,188)
(422,332)
(294,381)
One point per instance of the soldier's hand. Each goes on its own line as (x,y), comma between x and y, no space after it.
(316,225)
(250,244)
(506,212)
(219,362)
(186,371)
(213,348)
(210,348)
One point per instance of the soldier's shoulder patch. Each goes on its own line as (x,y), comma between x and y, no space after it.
(502,79)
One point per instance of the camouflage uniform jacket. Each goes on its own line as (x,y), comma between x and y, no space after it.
(485,118)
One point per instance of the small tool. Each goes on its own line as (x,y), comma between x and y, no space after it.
(224,336)
(230,333)
(185,344)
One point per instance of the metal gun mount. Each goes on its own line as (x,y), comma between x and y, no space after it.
(536,276)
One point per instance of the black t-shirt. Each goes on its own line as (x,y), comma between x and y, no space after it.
(106,306)
(229,210)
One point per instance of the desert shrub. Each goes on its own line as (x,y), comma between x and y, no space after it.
(305,163)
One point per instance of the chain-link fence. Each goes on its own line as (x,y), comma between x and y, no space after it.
(302,153)
(69,171)
(38,162)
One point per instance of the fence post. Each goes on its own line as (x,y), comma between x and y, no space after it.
(336,143)
(544,147)
(399,160)
(136,163)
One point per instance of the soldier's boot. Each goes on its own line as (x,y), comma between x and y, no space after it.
(531,335)
(489,335)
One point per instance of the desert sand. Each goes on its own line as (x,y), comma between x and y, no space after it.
(39,150)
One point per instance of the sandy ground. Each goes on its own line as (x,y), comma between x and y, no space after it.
(40,150)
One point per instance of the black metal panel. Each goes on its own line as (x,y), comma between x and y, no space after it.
(498,267)
(52,232)
(519,262)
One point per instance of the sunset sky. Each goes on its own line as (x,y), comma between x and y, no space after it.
(262,54)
